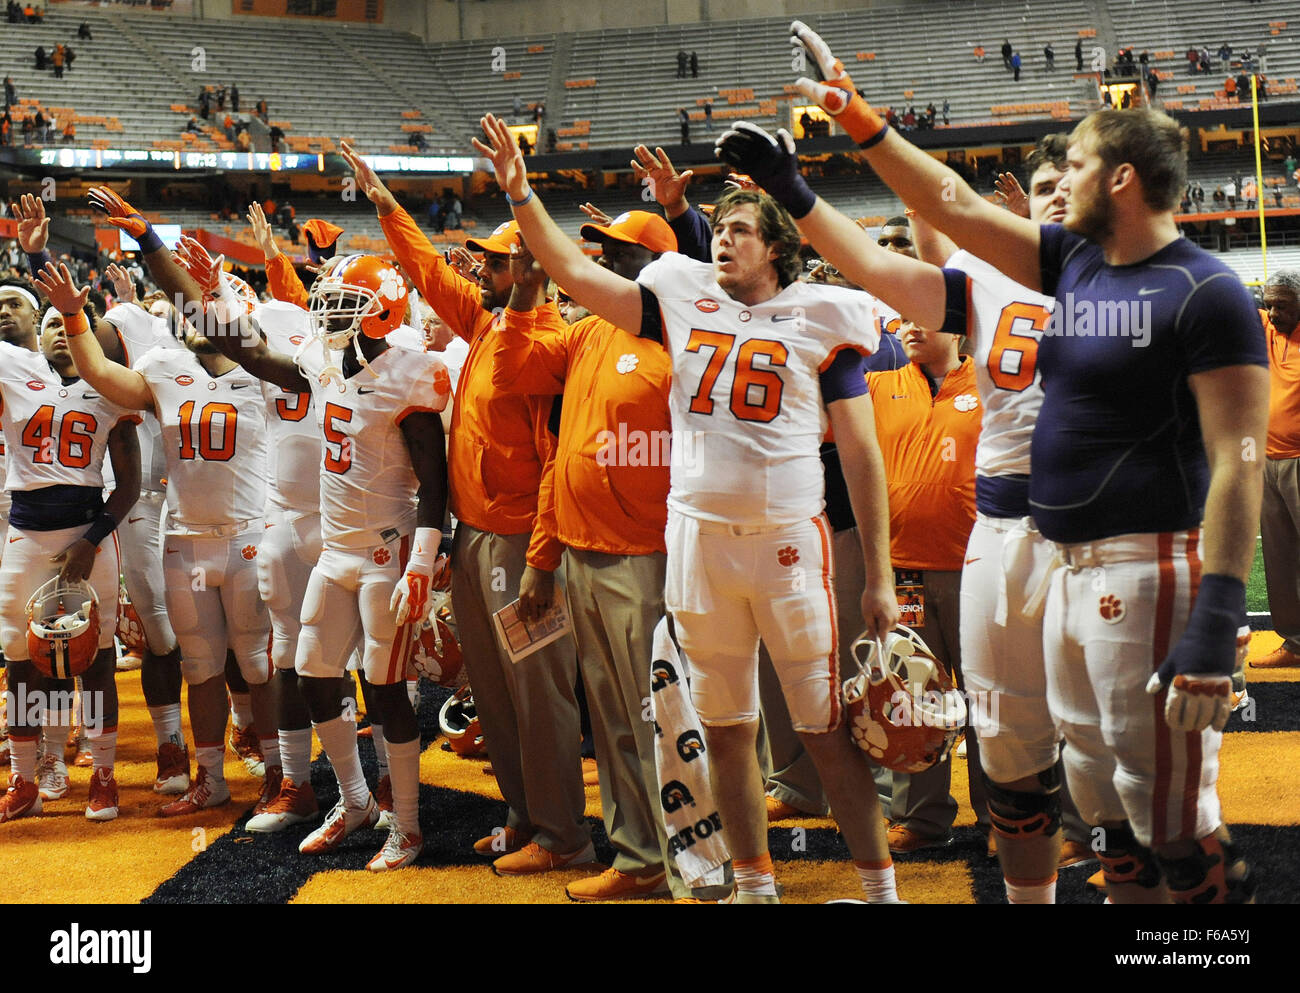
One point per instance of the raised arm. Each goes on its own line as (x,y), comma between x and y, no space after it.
(124,387)
(614,298)
(912,288)
(935,191)
(281,278)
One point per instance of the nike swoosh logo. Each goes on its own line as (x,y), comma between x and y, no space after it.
(1147,292)
(90,396)
(975,559)
(240,386)
(363,390)
(173,551)
(132,520)
(791,317)
(12,540)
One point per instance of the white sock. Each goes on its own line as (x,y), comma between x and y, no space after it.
(270,750)
(212,758)
(381,748)
(405,773)
(756,875)
(241,709)
(295,754)
(877,880)
(167,724)
(55,732)
(103,747)
(339,739)
(1032,890)
(22,756)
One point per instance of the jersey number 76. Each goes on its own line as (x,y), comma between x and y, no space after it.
(745,378)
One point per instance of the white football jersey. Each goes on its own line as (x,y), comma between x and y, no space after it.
(746,403)
(293,463)
(214,436)
(54,433)
(1005,321)
(367,486)
(140,332)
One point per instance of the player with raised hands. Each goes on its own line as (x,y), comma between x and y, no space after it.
(748,546)
(57,430)
(378,414)
(1146,418)
(214,437)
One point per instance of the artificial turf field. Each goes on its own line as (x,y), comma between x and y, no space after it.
(209,858)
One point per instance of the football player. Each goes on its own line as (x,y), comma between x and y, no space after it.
(214,434)
(760,362)
(498,448)
(377,410)
(291,544)
(57,429)
(1153,380)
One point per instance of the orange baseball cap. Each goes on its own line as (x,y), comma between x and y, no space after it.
(499,241)
(321,235)
(636,227)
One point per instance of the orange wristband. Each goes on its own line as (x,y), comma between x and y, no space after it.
(75,324)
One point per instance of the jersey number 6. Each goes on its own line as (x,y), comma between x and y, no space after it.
(1014,353)
(745,377)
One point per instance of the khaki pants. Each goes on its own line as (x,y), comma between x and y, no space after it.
(528,709)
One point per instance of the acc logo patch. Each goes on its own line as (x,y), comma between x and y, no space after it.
(707,306)
(296,339)
(965,402)
(626,363)
(35,384)
(249,551)
(788,556)
(381,556)
(183,380)
(1111,609)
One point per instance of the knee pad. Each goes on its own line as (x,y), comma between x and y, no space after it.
(1125,860)
(1214,873)
(1019,814)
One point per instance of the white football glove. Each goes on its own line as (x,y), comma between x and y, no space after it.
(411,598)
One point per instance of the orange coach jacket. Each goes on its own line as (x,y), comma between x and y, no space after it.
(499,443)
(1283,393)
(929,450)
(283,282)
(612,464)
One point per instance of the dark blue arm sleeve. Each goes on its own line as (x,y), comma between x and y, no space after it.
(844,377)
(694,235)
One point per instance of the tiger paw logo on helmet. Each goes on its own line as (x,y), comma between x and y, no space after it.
(381,555)
(788,555)
(903,709)
(249,552)
(1111,609)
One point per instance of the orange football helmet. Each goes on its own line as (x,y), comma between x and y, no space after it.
(357,293)
(436,655)
(63,628)
(130,629)
(903,709)
(459,722)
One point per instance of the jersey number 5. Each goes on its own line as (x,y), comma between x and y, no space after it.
(341,462)
(75,437)
(1014,354)
(745,378)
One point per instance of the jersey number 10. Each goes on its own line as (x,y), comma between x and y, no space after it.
(208,449)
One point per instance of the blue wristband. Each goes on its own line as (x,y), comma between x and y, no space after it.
(103,525)
(37,263)
(149,242)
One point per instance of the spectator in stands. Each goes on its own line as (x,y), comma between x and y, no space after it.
(930,112)
(806,123)
(70,131)
(263,111)
(1198,193)
(58,60)
(1126,101)
(40,57)
(1006,53)
(1230,88)
(1250,192)
(1193,60)
(1015,65)
(1078,55)
(228,125)
(551,139)
(1203,60)
(69,56)
(451,210)
(1281,508)
(1261,87)
(1049,53)
(685,119)
(27,130)
(909,119)
(682,59)
(11,95)
(276,136)
(38,125)
(1277,195)
(242,142)
(194,126)
(539,112)
(205,103)
(221,98)
(234,97)
(1219,197)
(1289,164)
(83,32)
(1225,55)
(945,110)
(30,13)
(979,53)
(1153,83)
(6,128)
(418,142)
(525,145)
(695,66)
(708,115)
